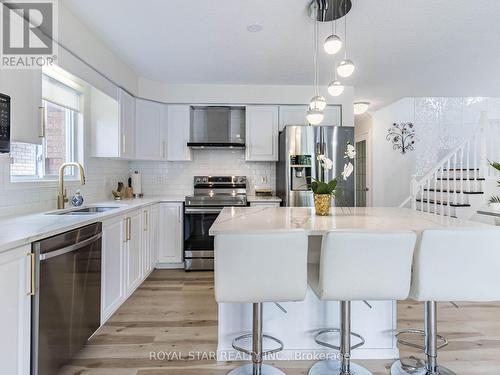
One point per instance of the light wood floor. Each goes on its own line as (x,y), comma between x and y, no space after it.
(175,312)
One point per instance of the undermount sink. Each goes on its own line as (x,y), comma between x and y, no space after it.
(85,211)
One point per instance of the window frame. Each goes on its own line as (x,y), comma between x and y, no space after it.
(73,134)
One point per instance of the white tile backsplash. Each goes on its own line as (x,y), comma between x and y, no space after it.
(19,198)
(177,177)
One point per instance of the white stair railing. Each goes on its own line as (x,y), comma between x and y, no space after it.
(443,187)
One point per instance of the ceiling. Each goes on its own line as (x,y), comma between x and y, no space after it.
(400,47)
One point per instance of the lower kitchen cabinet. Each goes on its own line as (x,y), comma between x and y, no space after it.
(15,314)
(113,266)
(171,233)
(133,251)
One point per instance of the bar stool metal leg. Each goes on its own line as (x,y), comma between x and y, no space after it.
(345,366)
(257,353)
(431,348)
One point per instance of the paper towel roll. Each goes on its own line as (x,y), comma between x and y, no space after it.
(137,183)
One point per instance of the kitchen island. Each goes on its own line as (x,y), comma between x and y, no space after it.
(296,326)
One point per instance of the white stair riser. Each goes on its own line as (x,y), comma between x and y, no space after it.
(460,174)
(445,197)
(460,185)
(439,209)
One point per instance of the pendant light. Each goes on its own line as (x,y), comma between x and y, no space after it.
(335,88)
(361,107)
(333,43)
(346,67)
(318,103)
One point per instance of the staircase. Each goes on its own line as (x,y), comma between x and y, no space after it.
(461,182)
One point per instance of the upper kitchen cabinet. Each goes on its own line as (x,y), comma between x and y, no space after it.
(25,90)
(262,133)
(178,126)
(127,124)
(150,130)
(296,115)
(113,124)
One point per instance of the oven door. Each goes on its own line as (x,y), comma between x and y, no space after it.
(198,244)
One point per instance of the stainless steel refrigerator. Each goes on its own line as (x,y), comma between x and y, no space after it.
(298,148)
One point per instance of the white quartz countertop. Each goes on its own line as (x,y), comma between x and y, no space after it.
(22,230)
(256,198)
(267,219)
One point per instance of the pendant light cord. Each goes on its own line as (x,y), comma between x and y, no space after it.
(345,29)
(334,32)
(316,72)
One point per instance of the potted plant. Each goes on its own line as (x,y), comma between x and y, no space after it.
(495,200)
(324,191)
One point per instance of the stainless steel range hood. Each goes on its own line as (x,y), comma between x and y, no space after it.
(217,127)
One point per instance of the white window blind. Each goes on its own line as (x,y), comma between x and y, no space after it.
(60,94)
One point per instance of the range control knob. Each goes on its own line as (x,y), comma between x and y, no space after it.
(205,179)
(197,180)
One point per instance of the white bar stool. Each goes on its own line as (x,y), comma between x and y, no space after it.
(450,265)
(257,268)
(358,266)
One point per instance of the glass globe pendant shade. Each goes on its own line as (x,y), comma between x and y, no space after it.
(332,44)
(335,88)
(345,68)
(360,107)
(314,116)
(318,102)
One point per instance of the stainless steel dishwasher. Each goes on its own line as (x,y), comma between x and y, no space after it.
(66,305)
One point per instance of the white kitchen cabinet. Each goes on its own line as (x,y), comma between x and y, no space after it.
(171,233)
(15,314)
(178,131)
(113,266)
(112,124)
(147,242)
(150,130)
(127,124)
(24,86)
(296,115)
(133,251)
(261,133)
(154,235)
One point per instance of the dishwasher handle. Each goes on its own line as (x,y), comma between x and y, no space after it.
(71,248)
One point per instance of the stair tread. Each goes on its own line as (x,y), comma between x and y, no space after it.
(461,169)
(461,179)
(431,201)
(453,191)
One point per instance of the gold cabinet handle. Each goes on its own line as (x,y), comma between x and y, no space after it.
(31,291)
(125,222)
(42,121)
(129,230)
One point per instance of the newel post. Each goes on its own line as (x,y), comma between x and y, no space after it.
(483,131)
(413,191)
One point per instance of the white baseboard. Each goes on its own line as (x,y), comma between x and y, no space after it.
(167,266)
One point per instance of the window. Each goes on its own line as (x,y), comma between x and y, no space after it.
(62,116)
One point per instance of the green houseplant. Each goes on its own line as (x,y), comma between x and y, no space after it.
(324,191)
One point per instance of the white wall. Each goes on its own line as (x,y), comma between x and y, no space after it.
(78,38)
(391,171)
(243,94)
(177,177)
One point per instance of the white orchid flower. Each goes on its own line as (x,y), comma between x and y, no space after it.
(327,163)
(348,169)
(350,152)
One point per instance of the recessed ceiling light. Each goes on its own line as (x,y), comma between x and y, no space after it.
(254,28)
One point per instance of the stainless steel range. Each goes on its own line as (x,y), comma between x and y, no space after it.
(211,195)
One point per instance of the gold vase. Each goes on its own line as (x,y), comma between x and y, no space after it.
(322,203)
